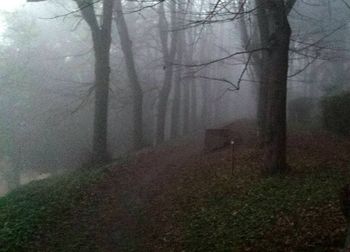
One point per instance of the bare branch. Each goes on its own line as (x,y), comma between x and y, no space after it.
(223,58)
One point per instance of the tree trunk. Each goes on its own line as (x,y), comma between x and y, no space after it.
(205,104)
(194,121)
(102,72)
(126,45)
(175,113)
(186,108)
(101,36)
(176,109)
(168,57)
(262,72)
(190,105)
(276,83)
(250,40)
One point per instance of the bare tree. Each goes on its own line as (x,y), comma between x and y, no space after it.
(127,49)
(101,37)
(168,60)
(175,113)
(274,24)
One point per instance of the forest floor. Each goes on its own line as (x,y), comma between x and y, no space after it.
(177,198)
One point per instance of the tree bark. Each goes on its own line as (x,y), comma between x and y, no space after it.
(276,85)
(205,115)
(194,114)
(101,36)
(100,153)
(176,109)
(263,25)
(186,108)
(126,45)
(190,94)
(168,57)
(175,113)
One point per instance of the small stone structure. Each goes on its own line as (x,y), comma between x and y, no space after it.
(216,139)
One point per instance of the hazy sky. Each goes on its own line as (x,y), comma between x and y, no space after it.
(11,5)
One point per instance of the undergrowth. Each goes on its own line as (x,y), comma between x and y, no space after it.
(277,214)
(203,205)
(50,215)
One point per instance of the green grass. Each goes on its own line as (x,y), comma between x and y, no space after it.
(276,214)
(50,215)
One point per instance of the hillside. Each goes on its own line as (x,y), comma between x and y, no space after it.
(177,198)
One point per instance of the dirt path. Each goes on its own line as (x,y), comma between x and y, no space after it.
(135,201)
(144,204)
(129,191)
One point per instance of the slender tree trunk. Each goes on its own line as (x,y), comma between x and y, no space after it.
(102,72)
(163,105)
(101,36)
(205,103)
(190,103)
(186,108)
(194,121)
(176,109)
(264,31)
(168,56)
(204,87)
(126,45)
(175,113)
(249,38)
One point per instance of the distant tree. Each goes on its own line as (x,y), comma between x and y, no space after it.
(178,78)
(169,53)
(101,29)
(126,45)
(16,95)
(101,37)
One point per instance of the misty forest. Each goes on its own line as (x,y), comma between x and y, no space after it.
(174,125)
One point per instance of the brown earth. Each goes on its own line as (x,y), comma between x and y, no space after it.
(138,197)
(141,201)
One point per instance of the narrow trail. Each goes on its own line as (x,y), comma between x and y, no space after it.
(129,191)
(134,198)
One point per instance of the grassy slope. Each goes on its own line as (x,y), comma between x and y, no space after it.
(50,215)
(199,209)
(247,212)
(276,214)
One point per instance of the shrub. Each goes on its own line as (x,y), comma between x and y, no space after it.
(302,110)
(336,113)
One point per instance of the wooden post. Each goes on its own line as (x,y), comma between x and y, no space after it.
(233,156)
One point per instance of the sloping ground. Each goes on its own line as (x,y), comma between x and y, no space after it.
(214,211)
(132,188)
(50,215)
(176,198)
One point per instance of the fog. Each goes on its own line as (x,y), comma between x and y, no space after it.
(47,75)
